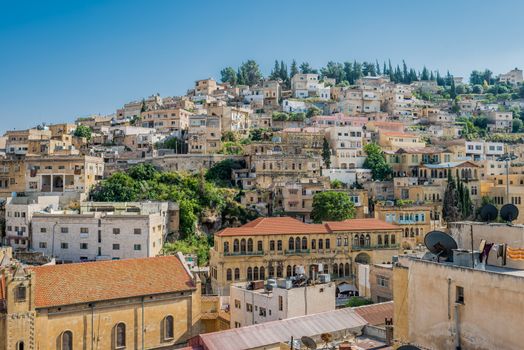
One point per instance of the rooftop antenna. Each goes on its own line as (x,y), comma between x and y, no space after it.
(441,244)
(489,213)
(509,212)
(309,343)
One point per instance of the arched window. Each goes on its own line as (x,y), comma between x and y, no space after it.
(362,241)
(259,246)
(291,244)
(249,273)
(347,270)
(339,241)
(279,245)
(243,245)
(379,239)
(335,270)
(328,244)
(294,272)
(66,340)
(416,231)
(255,273)
(271,271)
(297,243)
(313,244)
(368,240)
(249,245)
(229,275)
(288,271)
(280,271)
(304,243)
(262,273)
(356,242)
(386,239)
(346,241)
(406,232)
(169,329)
(412,232)
(272,245)
(120,336)
(20,345)
(226,247)
(320,244)
(235,246)
(393,238)
(237,274)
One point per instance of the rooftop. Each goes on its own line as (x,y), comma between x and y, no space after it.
(68,284)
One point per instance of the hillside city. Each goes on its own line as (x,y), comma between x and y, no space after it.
(359,205)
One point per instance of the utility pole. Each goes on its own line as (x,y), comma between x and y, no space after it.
(507,158)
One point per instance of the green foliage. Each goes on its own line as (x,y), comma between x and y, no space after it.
(517,125)
(358,301)
(229,75)
(249,73)
(376,161)
(83,131)
(260,134)
(196,196)
(326,153)
(332,206)
(221,173)
(198,245)
(313,111)
(171,143)
(232,148)
(230,136)
(479,77)
(337,184)
(283,116)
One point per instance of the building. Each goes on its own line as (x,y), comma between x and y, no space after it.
(381,282)
(149,303)
(104,231)
(303,85)
(253,303)
(500,121)
(204,134)
(394,140)
(172,121)
(440,304)
(513,77)
(274,246)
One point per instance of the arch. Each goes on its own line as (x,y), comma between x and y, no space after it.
(262,273)
(243,245)
(363,258)
(288,271)
(297,243)
(416,231)
(279,245)
(328,243)
(20,345)
(226,247)
(321,244)
(229,274)
(259,246)
(339,241)
(362,241)
(335,270)
(293,273)
(355,240)
(250,245)
(341,269)
(237,274)
(379,239)
(120,335)
(386,239)
(412,234)
(304,243)
(313,244)
(368,240)
(406,232)
(272,245)
(346,241)
(169,329)
(236,246)
(280,271)
(66,340)
(249,273)
(271,271)
(255,273)
(393,239)
(291,244)
(347,270)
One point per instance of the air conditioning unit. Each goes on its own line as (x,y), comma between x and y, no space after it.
(324,277)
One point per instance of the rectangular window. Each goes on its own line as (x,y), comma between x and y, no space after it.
(249,307)
(20,293)
(383,281)
(83,245)
(116,231)
(64,229)
(280,303)
(137,247)
(137,231)
(116,246)
(42,245)
(262,311)
(237,304)
(84,230)
(64,245)
(460,295)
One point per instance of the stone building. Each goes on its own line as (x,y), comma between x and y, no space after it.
(149,303)
(273,247)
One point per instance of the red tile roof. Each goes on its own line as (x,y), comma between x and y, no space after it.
(360,225)
(398,134)
(375,314)
(69,284)
(288,225)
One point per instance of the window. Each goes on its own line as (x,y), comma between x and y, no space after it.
(235,246)
(262,311)
(313,244)
(116,246)
(120,336)
(259,246)
(83,245)
(169,331)
(304,243)
(229,275)
(137,231)
(382,281)
(280,303)
(84,230)
(249,307)
(42,245)
(43,230)
(237,324)
(279,245)
(64,229)
(237,274)
(250,245)
(64,245)
(116,231)
(291,244)
(320,244)
(20,293)
(460,295)
(249,273)
(226,247)
(66,341)
(237,304)
(137,247)
(327,244)
(20,345)
(339,241)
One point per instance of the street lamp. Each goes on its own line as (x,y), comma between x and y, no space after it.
(507,157)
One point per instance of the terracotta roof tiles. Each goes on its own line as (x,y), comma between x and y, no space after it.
(375,314)
(68,284)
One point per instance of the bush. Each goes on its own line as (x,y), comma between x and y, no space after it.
(358,301)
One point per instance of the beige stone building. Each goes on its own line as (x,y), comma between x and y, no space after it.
(204,134)
(104,230)
(381,282)
(273,247)
(12,176)
(150,303)
(174,121)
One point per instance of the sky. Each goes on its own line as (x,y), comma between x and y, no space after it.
(65,59)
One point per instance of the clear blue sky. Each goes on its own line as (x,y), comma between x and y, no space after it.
(63,59)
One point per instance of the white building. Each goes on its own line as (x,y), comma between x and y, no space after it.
(483,150)
(294,106)
(512,77)
(104,231)
(284,301)
(346,143)
(303,85)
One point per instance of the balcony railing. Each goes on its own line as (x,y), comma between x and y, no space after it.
(376,246)
(297,251)
(246,253)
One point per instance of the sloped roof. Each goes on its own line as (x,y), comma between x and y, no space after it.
(451,165)
(420,150)
(259,335)
(360,225)
(375,314)
(398,134)
(68,284)
(272,225)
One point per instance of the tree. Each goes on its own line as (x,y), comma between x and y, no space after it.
(173,143)
(358,301)
(521,91)
(250,73)
(83,131)
(275,72)
(376,161)
(425,74)
(293,70)
(143,172)
(283,72)
(305,68)
(450,206)
(228,75)
(326,153)
(517,125)
(313,111)
(221,173)
(333,70)
(120,187)
(332,206)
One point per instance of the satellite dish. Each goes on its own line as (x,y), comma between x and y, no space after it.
(488,213)
(441,244)
(408,347)
(509,212)
(309,342)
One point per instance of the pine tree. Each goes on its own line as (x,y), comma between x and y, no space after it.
(384,69)
(275,72)
(431,76)
(405,73)
(390,72)
(450,205)
(326,153)
(425,74)
(293,69)
(283,71)
(377,67)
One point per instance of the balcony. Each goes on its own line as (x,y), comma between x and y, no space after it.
(376,246)
(297,251)
(246,253)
